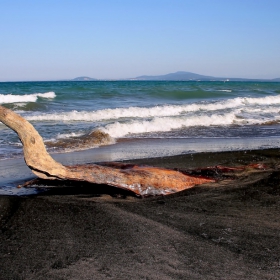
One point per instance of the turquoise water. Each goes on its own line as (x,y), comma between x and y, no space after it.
(65,113)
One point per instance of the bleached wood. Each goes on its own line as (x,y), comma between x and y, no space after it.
(142,180)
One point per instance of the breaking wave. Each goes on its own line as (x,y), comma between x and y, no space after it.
(12,98)
(78,141)
(165,124)
(156,111)
(132,121)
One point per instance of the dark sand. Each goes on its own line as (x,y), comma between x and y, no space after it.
(224,230)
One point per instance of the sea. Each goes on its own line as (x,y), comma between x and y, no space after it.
(192,115)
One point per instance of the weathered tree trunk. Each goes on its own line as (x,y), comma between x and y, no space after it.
(142,180)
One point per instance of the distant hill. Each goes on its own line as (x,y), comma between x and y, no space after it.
(177,76)
(83,78)
(189,76)
(181,76)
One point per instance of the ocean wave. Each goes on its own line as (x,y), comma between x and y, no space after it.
(70,135)
(156,111)
(262,110)
(11,98)
(225,90)
(77,141)
(165,124)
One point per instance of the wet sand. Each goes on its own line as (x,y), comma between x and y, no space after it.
(224,230)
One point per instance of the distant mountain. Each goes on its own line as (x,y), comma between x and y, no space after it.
(83,78)
(181,76)
(178,76)
(189,76)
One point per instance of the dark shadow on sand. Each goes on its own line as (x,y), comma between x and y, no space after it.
(224,230)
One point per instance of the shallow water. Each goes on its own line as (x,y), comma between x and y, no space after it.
(14,171)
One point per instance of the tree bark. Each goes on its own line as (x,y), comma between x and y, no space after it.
(142,180)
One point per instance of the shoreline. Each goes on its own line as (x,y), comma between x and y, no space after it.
(17,172)
(15,169)
(223,230)
(129,148)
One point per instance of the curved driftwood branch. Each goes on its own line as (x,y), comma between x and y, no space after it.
(142,180)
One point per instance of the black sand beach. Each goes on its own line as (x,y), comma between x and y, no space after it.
(224,230)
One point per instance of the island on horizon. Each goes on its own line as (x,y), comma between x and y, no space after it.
(178,76)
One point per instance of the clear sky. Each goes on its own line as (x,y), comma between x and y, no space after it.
(59,39)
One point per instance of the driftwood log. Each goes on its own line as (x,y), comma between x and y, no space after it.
(142,180)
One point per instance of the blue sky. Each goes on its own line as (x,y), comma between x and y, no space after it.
(50,40)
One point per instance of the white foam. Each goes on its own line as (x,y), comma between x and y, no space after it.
(263,110)
(69,135)
(131,112)
(121,122)
(164,124)
(156,111)
(268,100)
(11,98)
